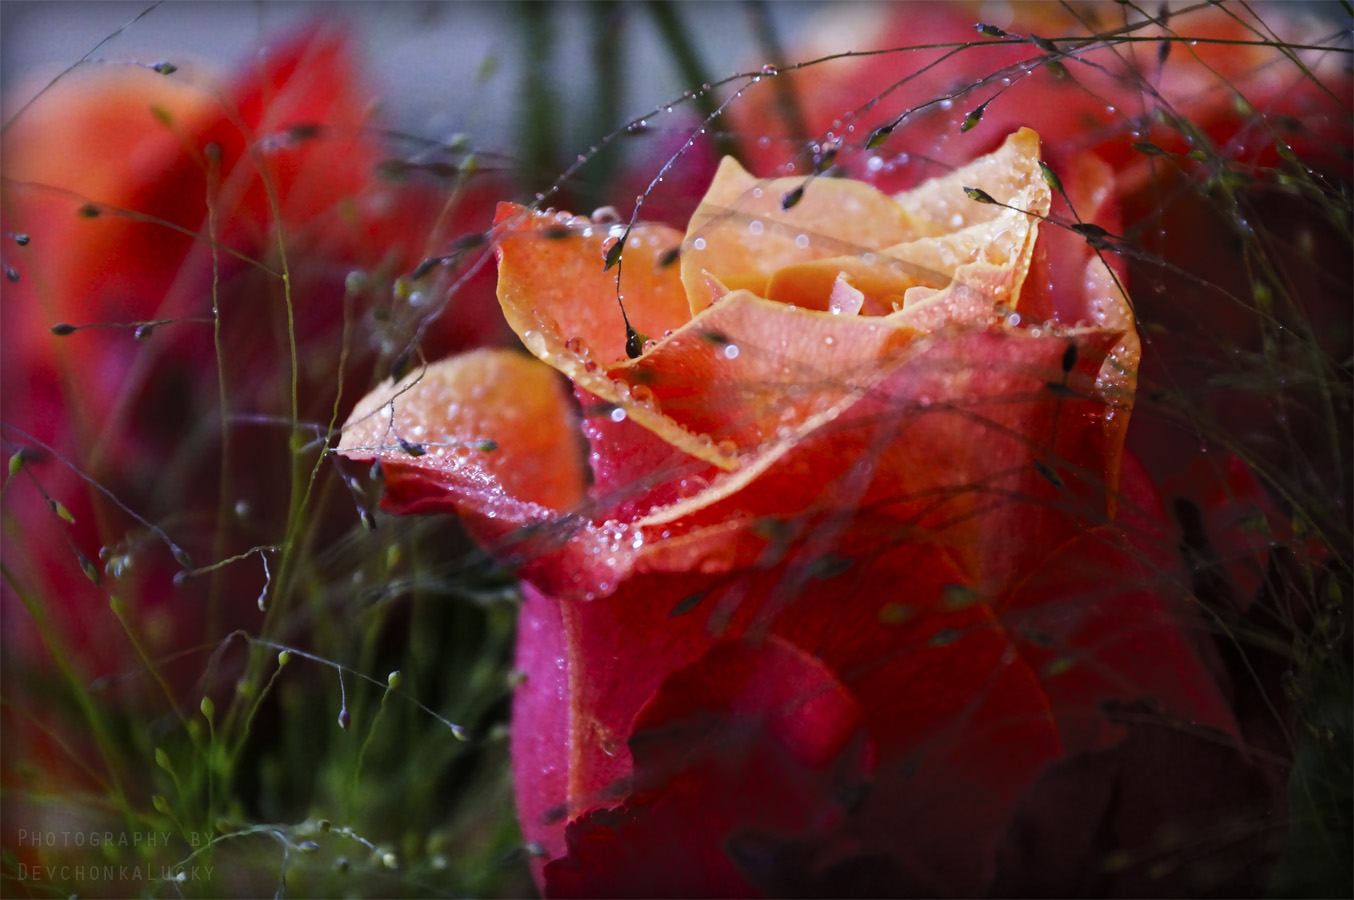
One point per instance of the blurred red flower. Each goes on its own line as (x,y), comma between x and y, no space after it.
(855,575)
(1228,129)
(185,241)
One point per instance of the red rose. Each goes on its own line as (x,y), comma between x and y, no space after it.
(151,195)
(145,196)
(854,573)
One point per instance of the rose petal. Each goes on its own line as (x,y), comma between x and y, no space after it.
(990,256)
(552,283)
(1010,175)
(634,469)
(958,719)
(882,278)
(742,233)
(957,426)
(564,307)
(743,741)
(541,721)
(1099,626)
(748,370)
(491,431)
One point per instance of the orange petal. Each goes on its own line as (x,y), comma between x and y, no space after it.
(742,234)
(679,389)
(748,371)
(988,247)
(564,307)
(882,278)
(963,259)
(552,284)
(495,428)
(126,114)
(1010,174)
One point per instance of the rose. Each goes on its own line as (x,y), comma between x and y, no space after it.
(149,195)
(98,252)
(850,571)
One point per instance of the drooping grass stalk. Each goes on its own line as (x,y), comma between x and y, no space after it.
(392,682)
(213,172)
(120,611)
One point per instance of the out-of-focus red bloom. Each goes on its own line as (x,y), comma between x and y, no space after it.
(1138,92)
(230,214)
(1224,125)
(854,567)
(227,214)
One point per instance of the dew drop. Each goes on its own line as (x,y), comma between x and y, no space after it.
(535,342)
(617,415)
(730,351)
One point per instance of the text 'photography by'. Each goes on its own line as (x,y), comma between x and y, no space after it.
(727,449)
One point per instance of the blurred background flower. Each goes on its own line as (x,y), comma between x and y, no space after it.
(248,215)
